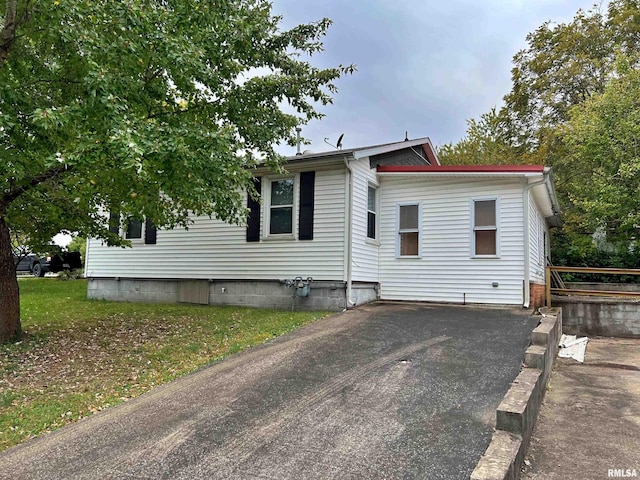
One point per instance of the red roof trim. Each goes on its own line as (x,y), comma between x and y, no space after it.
(428,151)
(461,169)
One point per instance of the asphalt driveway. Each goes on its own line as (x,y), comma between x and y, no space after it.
(385,391)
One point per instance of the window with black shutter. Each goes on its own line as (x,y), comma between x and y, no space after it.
(133,228)
(114,222)
(287,211)
(150,232)
(307,195)
(253,220)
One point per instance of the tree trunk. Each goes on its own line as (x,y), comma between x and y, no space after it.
(8,32)
(10,328)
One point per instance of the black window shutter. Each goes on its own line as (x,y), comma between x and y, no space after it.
(114,222)
(150,232)
(253,221)
(307,185)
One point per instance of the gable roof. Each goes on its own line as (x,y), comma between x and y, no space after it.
(421,146)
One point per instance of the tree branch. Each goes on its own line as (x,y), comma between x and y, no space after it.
(29,184)
(8,33)
(64,81)
(163,113)
(10,25)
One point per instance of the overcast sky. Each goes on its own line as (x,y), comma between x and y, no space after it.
(424,66)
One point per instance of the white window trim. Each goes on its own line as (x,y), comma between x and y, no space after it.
(376,239)
(398,232)
(266,218)
(472,207)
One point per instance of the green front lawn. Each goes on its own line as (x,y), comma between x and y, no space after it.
(80,356)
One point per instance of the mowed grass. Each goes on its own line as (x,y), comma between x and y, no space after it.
(81,356)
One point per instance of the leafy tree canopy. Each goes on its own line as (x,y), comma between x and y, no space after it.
(560,83)
(602,163)
(562,66)
(78,244)
(153,108)
(484,143)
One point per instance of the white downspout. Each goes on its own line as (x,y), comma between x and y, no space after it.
(527,244)
(86,258)
(347,234)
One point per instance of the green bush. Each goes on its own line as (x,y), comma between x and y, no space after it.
(580,251)
(78,244)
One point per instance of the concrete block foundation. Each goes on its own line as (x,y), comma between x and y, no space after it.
(323,295)
(133,290)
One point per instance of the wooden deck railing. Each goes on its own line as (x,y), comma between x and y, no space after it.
(552,272)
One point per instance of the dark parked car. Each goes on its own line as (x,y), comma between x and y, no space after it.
(53,262)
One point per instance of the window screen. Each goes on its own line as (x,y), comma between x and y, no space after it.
(409,231)
(281,215)
(371,213)
(485,230)
(134,229)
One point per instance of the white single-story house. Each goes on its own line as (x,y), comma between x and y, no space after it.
(346,227)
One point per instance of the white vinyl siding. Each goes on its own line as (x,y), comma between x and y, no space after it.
(446,272)
(211,249)
(537,229)
(364,250)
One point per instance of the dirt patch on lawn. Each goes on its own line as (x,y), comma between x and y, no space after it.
(56,376)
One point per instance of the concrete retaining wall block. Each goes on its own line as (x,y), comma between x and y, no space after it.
(595,316)
(519,408)
(500,461)
(517,413)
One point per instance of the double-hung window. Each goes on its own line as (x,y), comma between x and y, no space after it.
(133,229)
(281,206)
(371,212)
(485,227)
(409,230)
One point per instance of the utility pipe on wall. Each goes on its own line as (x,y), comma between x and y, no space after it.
(347,234)
(527,243)
(298,141)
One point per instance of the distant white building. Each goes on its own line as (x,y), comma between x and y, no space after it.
(381,222)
